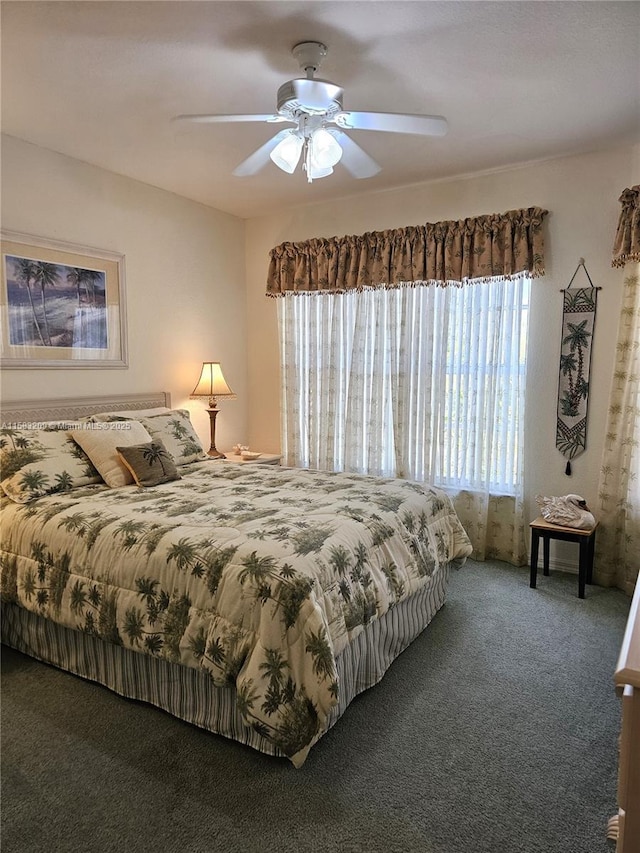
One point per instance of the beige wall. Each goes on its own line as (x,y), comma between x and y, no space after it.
(581,194)
(185,280)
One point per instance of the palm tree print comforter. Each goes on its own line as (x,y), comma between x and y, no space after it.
(258,575)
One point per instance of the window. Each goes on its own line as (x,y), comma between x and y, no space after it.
(421,382)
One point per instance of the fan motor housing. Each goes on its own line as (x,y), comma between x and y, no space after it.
(309,96)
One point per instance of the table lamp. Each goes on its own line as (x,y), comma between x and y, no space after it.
(212,385)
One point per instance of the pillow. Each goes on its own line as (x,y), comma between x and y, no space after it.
(42,461)
(100,440)
(175,431)
(179,437)
(149,463)
(130,414)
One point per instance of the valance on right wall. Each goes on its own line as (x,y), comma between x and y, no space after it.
(626,246)
(498,245)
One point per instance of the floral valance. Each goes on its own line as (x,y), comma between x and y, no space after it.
(626,246)
(499,245)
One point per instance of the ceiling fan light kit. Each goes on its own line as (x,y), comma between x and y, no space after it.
(322,150)
(314,107)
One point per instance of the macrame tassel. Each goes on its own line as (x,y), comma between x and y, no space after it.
(567,470)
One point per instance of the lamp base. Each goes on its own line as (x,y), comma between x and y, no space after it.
(213,451)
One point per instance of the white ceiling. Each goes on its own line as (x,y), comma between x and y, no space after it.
(518,81)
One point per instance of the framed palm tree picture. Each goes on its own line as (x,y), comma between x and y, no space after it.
(61,305)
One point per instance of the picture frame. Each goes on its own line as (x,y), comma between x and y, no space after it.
(61,305)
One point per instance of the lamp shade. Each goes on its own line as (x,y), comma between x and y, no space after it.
(212,383)
(325,149)
(314,171)
(287,152)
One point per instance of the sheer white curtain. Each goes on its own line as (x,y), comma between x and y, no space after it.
(420,382)
(618,538)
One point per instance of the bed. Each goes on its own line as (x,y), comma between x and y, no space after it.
(251,600)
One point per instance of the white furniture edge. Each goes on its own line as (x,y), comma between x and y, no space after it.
(625,826)
(628,668)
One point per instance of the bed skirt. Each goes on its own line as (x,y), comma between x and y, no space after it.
(189,694)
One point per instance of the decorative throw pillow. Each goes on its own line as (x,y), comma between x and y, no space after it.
(100,440)
(175,430)
(42,461)
(149,463)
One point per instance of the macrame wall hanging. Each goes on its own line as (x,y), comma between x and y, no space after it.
(578,320)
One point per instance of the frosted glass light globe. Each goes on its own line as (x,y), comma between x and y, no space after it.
(287,152)
(325,149)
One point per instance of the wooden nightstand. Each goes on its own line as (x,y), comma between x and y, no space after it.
(263,459)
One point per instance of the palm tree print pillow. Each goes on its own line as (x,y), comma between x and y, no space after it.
(150,463)
(179,437)
(36,462)
(174,429)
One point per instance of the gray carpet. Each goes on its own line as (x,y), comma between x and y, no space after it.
(495,731)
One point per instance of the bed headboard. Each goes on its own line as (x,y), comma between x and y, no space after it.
(74,408)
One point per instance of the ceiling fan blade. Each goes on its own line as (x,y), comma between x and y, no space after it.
(260,157)
(355,159)
(211,119)
(392,122)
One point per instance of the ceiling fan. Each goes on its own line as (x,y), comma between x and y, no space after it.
(314,109)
